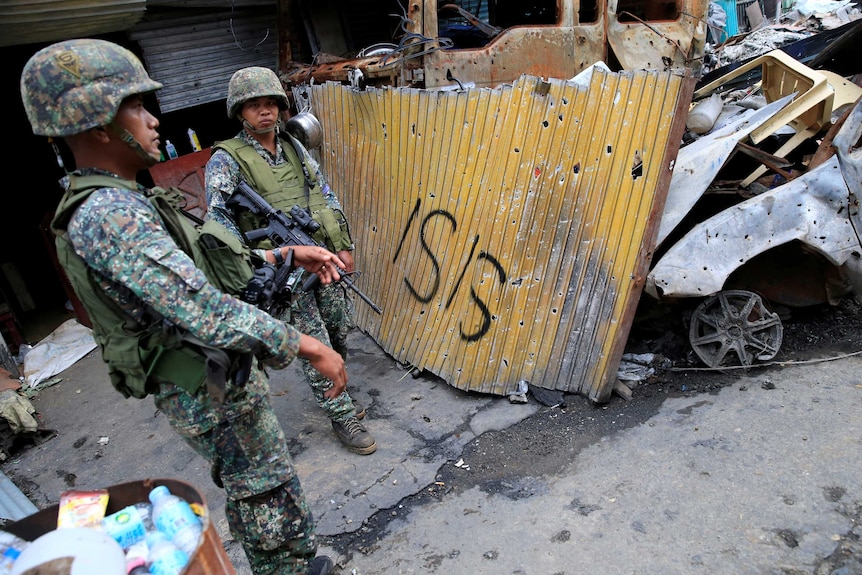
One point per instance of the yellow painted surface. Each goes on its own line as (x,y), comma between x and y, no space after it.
(502,230)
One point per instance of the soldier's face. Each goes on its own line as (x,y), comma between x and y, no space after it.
(140,123)
(261,113)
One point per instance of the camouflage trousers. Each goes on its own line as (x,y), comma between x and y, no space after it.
(325,313)
(276,530)
(266,509)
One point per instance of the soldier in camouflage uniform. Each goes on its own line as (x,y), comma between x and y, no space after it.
(89,93)
(281,170)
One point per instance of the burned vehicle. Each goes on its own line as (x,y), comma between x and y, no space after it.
(793,239)
(452,43)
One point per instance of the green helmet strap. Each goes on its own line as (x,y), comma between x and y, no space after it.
(130,140)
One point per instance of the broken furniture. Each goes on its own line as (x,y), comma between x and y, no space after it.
(818,94)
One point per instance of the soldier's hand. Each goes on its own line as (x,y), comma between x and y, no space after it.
(327,361)
(347,257)
(319,261)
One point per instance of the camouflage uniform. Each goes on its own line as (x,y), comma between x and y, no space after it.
(120,236)
(325,312)
(242,438)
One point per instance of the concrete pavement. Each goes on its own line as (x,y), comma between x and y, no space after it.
(751,479)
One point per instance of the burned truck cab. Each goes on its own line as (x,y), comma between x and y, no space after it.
(451,43)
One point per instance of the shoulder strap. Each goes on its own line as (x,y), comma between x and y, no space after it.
(250,163)
(298,158)
(79,189)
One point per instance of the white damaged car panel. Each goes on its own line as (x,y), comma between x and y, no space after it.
(698,163)
(820,209)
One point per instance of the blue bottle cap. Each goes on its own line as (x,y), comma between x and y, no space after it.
(158,492)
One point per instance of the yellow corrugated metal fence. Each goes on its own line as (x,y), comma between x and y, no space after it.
(504,231)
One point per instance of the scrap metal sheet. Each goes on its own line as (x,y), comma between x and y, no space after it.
(505,232)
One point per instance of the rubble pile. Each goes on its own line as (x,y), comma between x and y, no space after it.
(761,214)
(806,19)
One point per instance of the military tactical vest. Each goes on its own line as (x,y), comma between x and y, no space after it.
(285,186)
(141,353)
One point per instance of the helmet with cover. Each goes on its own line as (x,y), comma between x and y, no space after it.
(75,85)
(253,82)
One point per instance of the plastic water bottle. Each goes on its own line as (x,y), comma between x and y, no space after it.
(165,557)
(145,511)
(172,151)
(174,517)
(193,140)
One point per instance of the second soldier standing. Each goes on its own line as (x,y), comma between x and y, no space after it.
(281,170)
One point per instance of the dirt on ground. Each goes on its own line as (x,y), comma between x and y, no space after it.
(810,334)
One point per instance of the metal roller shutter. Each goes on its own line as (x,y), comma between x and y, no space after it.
(29,22)
(195,52)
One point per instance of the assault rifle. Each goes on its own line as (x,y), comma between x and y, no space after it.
(281,229)
(270,287)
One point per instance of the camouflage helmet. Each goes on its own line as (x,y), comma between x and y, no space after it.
(72,86)
(253,82)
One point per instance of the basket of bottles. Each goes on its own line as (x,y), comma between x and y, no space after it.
(153,526)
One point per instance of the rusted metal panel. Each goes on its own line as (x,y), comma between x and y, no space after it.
(657,44)
(505,232)
(559,51)
(185,173)
(633,35)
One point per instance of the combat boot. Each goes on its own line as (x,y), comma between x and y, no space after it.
(320,565)
(359,409)
(354,436)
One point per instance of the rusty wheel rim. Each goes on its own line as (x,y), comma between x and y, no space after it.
(735,328)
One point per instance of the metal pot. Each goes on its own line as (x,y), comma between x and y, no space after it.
(306,128)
